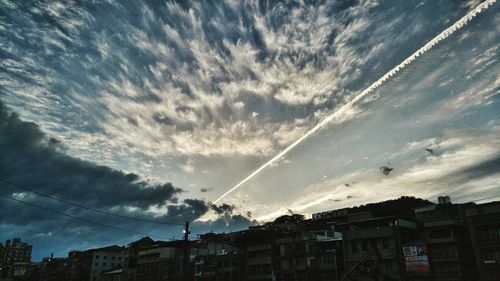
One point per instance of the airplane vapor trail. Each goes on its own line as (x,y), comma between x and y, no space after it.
(338,113)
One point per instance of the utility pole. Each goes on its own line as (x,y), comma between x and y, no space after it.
(186,253)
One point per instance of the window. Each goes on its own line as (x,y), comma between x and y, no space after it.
(440,233)
(487,233)
(388,265)
(385,243)
(447,271)
(443,252)
(364,245)
(285,265)
(308,248)
(328,259)
(488,258)
(354,247)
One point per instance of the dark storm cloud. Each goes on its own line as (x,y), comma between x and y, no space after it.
(26,159)
(31,159)
(190,210)
(222,209)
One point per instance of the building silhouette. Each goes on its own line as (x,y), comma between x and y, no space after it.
(15,260)
(407,239)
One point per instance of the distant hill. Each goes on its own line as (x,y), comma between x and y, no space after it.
(402,206)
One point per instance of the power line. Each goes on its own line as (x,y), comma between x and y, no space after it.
(73,217)
(85,207)
(486,198)
(464,198)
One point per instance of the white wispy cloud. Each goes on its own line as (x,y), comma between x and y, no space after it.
(342,111)
(462,150)
(206,81)
(226,79)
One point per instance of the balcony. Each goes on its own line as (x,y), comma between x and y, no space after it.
(259,260)
(376,232)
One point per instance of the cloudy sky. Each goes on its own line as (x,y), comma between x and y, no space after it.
(154,109)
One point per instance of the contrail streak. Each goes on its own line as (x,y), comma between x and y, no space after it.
(441,36)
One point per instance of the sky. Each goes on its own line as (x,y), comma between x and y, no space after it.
(154,109)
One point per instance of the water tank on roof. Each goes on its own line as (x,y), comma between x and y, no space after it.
(444,200)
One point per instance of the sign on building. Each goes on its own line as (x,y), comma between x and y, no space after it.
(416,259)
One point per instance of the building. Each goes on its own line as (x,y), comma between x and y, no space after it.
(397,240)
(16,259)
(290,248)
(258,248)
(373,247)
(483,223)
(309,255)
(52,269)
(134,248)
(2,252)
(166,261)
(16,251)
(89,265)
(221,259)
(115,275)
(445,231)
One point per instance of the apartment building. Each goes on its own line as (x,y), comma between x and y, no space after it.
(309,255)
(89,265)
(166,261)
(445,231)
(483,223)
(373,247)
(16,259)
(221,260)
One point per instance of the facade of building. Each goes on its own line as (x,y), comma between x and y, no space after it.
(373,248)
(51,269)
(115,275)
(445,231)
(134,248)
(287,250)
(16,259)
(166,261)
(89,265)
(432,242)
(2,251)
(484,227)
(16,251)
(220,261)
(259,261)
(309,255)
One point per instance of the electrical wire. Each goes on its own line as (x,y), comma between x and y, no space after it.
(85,207)
(73,217)
(486,198)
